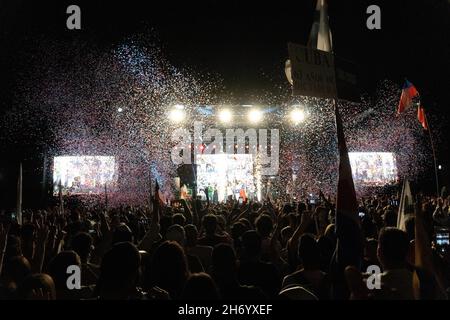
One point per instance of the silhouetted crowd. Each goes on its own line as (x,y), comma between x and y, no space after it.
(196,250)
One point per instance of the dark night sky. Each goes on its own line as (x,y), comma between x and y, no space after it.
(245,42)
(246,39)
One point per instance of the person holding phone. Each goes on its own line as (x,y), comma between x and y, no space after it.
(441,214)
(442,239)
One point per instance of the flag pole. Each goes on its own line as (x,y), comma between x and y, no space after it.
(19,196)
(433,150)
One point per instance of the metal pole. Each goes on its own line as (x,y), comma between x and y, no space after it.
(434,156)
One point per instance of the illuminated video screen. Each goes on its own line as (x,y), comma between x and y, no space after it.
(373,168)
(225,175)
(84,174)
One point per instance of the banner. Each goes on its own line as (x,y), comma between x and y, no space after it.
(406,207)
(313,72)
(321,74)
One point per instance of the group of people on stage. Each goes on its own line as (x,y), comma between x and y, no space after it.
(374,171)
(225,176)
(219,193)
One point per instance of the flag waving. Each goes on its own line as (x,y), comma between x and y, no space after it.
(346,203)
(406,207)
(422,117)
(409,92)
(349,247)
(320,35)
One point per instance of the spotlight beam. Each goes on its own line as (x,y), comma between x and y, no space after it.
(177,115)
(255,116)
(297,116)
(225,115)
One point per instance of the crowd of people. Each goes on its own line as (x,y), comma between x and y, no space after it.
(197,250)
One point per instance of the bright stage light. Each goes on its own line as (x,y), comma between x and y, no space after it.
(225,115)
(176,115)
(119,109)
(255,115)
(297,116)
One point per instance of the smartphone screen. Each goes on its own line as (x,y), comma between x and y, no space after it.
(442,238)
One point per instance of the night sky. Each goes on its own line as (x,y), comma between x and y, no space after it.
(245,42)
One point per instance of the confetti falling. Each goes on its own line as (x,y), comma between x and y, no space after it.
(115,102)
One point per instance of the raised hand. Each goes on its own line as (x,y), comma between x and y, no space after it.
(440,203)
(60,234)
(42,232)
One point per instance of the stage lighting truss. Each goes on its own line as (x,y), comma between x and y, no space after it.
(245,115)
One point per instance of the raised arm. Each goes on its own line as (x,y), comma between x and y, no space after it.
(243,213)
(439,215)
(41,237)
(326,201)
(190,217)
(292,243)
(152,234)
(274,250)
(423,251)
(105,241)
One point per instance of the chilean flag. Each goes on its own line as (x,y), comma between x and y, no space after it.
(422,117)
(408,93)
